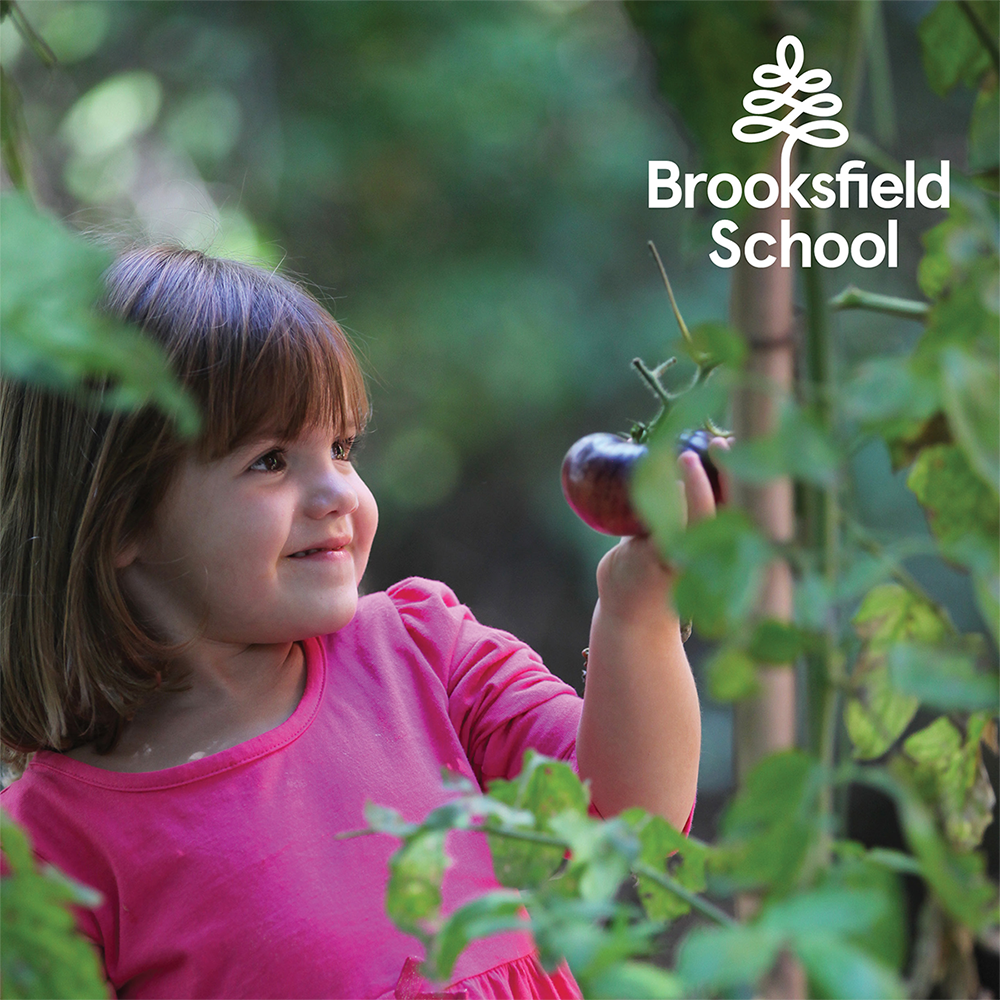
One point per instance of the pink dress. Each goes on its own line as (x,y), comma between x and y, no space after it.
(223,877)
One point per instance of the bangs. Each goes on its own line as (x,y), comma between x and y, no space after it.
(260,355)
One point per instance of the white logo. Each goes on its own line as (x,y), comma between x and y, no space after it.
(763,102)
(787,97)
(781,83)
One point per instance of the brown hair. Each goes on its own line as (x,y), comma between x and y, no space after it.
(260,356)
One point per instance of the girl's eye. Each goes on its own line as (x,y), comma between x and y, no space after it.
(342,449)
(273,461)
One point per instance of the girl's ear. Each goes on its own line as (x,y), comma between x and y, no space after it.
(127,554)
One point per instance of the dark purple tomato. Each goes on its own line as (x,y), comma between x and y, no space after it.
(595,477)
(597,470)
(697,441)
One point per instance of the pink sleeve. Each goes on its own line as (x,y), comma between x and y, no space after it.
(502,700)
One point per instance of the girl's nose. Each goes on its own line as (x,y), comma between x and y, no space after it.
(332,494)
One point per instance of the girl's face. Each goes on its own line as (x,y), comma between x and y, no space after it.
(265,545)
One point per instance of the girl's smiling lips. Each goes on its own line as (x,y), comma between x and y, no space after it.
(333,547)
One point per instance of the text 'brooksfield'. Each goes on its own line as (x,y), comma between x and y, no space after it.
(849,186)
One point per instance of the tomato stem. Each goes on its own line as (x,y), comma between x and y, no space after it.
(685,332)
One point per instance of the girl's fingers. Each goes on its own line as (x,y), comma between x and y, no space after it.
(721,444)
(697,488)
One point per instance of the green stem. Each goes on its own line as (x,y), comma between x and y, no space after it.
(825,670)
(650,378)
(856,298)
(685,333)
(703,906)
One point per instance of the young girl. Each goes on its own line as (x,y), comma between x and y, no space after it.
(209,703)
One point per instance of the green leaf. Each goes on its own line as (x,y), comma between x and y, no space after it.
(634,981)
(52,333)
(544,788)
(837,969)
(590,936)
(886,391)
(885,935)
(717,344)
(957,877)
(831,909)
(601,853)
(413,897)
(970,390)
(721,564)
(483,917)
(731,675)
(876,717)
(951,771)
(661,843)
(43,955)
(952,51)
(775,641)
(963,512)
(984,131)
(799,447)
(942,676)
(385,820)
(717,960)
(769,826)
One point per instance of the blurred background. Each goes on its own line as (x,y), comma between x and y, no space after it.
(465,186)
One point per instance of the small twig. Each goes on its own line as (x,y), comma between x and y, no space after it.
(856,298)
(651,379)
(685,332)
(35,42)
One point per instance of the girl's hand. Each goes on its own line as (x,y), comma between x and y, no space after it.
(633,582)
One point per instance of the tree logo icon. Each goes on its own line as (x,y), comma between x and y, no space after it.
(781,84)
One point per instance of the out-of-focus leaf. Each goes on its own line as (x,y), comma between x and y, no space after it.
(545,788)
(984,131)
(44,958)
(775,641)
(943,677)
(731,674)
(953,52)
(413,896)
(841,971)
(52,333)
(654,484)
(706,55)
(591,936)
(957,877)
(799,447)
(713,961)
(600,853)
(950,770)
(886,390)
(659,840)
(490,914)
(885,936)
(769,826)
(722,562)
(963,512)
(718,343)
(634,981)
(877,716)
(831,909)
(971,388)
